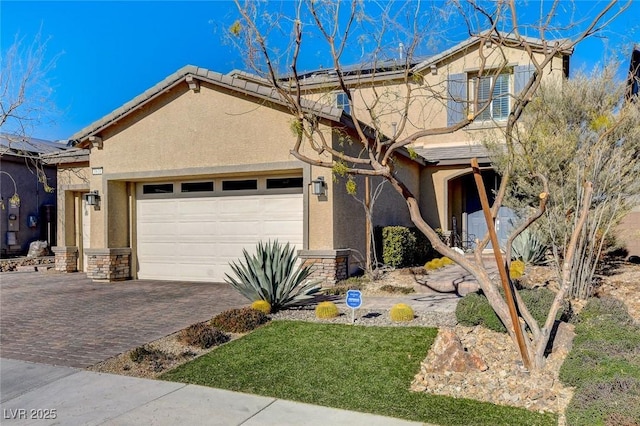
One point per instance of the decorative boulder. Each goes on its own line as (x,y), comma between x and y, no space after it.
(448,354)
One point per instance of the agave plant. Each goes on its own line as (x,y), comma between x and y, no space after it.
(271,274)
(529,247)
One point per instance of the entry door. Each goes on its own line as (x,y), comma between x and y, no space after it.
(477,226)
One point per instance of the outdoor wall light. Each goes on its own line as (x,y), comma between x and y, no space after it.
(318,187)
(92,198)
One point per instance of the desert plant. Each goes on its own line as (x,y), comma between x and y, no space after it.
(602,308)
(437,263)
(474,309)
(401,312)
(271,275)
(529,248)
(262,306)
(148,354)
(326,310)
(516,269)
(447,261)
(240,320)
(202,335)
(397,289)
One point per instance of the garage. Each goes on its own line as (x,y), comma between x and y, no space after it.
(190,231)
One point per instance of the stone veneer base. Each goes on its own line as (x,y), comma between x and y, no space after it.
(66,258)
(330,266)
(109,264)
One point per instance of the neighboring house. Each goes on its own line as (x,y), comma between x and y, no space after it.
(175,183)
(27,186)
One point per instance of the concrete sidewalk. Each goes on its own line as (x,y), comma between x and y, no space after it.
(30,392)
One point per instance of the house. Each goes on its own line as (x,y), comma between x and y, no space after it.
(27,211)
(176,182)
(444,86)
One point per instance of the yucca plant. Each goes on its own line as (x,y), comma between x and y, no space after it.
(529,247)
(271,274)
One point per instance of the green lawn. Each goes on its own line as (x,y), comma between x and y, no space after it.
(367,369)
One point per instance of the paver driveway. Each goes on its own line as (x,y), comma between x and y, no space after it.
(66,319)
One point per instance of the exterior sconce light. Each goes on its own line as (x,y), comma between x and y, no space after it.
(318,187)
(92,198)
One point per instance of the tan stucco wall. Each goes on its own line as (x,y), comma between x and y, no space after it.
(188,134)
(73,179)
(428,99)
(433,202)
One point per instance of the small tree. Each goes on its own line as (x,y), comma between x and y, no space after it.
(579,131)
(377,144)
(25,99)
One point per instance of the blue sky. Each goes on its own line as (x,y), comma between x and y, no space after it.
(109,52)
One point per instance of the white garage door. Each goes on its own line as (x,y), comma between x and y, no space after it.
(194,239)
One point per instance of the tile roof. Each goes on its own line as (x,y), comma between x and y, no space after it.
(456,154)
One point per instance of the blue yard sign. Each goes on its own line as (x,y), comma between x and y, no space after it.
(354,299)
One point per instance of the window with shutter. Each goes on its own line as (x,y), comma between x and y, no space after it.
(498,108)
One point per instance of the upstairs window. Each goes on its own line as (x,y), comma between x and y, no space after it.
(342,101)
(498,102)
(461,90)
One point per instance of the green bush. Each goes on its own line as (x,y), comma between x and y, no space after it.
(240,320)
(604,308)
(604,366)
(402,246)
(612,402)
(271,274)
(474,309)
(202,335)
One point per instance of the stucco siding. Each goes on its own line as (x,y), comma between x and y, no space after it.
(190,130)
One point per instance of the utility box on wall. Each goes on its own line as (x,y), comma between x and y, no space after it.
(13,217)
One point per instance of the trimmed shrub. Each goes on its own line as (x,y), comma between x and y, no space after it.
(401,312)
(202,335)
(402,246)
(604,308)
(474,309)
(326,310)
(262,306)
(240,320)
